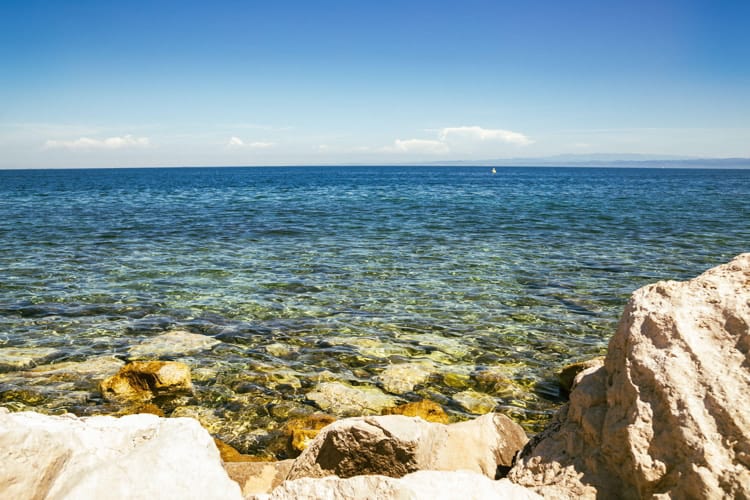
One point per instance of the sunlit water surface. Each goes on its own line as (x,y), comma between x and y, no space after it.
(310,274)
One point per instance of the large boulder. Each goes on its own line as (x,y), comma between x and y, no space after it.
(138,456)
(436,485)
(667,414)
(395,445)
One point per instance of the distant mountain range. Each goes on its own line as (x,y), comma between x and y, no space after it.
(606,160)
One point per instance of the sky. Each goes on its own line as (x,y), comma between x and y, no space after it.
(183,83)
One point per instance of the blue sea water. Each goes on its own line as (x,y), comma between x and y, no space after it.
(338,272)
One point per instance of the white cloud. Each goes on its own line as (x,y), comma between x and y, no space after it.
(420,146)
(87,143)
(461,140)
(476,133)
(236,142)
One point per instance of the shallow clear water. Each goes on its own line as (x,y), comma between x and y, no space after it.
(348,270)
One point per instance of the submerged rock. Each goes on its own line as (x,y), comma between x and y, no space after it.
(435,485)
(424,409)
(398,379)
(475,402)
(345,400)
(21,358)
(138,456)
(667,414)
(395,445)
(142,380)
(174,343)
(206,416)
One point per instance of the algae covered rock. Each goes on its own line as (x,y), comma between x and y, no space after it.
(394,445)
(303,430)
(143,380)
(666,416)
(424,409)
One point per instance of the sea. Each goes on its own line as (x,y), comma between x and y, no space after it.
(307,275)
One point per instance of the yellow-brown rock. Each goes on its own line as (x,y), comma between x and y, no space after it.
(302,430)
(142,380)
(258,477)
(230,454)
(424,409)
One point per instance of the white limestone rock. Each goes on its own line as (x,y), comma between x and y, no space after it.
(137,456)
(666,416)
(435,485)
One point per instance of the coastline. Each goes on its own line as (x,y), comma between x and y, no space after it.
(623,433)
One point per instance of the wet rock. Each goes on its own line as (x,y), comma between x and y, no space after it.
(138,456)
(303,430)
(436,485)
(174,343)
(372,347)
(395,445)
(344,400)
(142,380)
(96,368)
(206,416)
(498,381)
(398,379)
(258,477)
(666,416)
(142,408)
(456,380)
(279,350)
(568,374)
(21,358)
(424,409)
(229,453)
(475,402)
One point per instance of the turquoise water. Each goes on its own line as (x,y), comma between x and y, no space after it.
(343,271)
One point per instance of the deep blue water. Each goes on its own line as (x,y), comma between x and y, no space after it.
(353,268)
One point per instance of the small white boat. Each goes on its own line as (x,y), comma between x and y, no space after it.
(493,170)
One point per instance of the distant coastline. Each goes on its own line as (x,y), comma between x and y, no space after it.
(562,161)
(609,161)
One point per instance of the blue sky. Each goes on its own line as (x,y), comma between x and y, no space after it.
(151,83)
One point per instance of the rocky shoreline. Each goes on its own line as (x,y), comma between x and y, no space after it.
(663,415)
